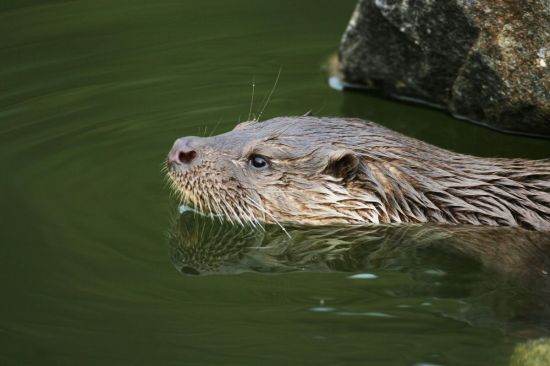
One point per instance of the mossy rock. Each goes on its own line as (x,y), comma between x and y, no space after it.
(532,353)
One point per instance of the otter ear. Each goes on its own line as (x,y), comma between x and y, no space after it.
(342,164)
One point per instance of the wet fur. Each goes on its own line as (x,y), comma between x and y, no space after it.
(349,171)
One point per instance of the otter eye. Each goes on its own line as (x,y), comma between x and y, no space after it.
(258,162)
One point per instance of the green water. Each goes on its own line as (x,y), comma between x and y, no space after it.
(92,96)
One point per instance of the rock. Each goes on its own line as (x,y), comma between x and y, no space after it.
(485,60)
(532,353)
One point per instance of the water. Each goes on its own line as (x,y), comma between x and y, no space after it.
(92,95)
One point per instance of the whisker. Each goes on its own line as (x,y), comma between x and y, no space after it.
(237,218)
(270,94)
(251,99)
(263,210)
(226,214)
(215,127)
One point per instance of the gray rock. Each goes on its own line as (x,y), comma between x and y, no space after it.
(484,60)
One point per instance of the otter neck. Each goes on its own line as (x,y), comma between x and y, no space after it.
(460,189)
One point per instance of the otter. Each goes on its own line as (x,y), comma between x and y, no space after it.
(326,171)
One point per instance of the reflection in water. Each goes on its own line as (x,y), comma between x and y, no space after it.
(202,245)
(503,268)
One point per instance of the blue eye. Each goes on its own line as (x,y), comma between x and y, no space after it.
(258,162)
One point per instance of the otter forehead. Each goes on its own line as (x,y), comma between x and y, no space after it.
(305,132)
(305,126)
(278,125)
(252,133)
(288,136)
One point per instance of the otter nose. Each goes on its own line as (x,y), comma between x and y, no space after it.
(183,152)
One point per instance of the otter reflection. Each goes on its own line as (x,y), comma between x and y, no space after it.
(201,245)
(501,270)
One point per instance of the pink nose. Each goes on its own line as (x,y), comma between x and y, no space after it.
(183,152)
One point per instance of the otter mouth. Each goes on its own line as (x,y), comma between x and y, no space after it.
(180,185)
(203,193)
(195,193)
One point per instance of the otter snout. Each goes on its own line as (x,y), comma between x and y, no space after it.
(184,153)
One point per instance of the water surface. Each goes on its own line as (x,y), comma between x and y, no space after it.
(92,95)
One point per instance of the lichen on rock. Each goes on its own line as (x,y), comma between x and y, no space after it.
(532,353)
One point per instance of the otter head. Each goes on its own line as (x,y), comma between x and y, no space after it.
(289,169)
(322,171)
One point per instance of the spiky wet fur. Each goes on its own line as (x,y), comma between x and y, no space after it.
(397,179)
